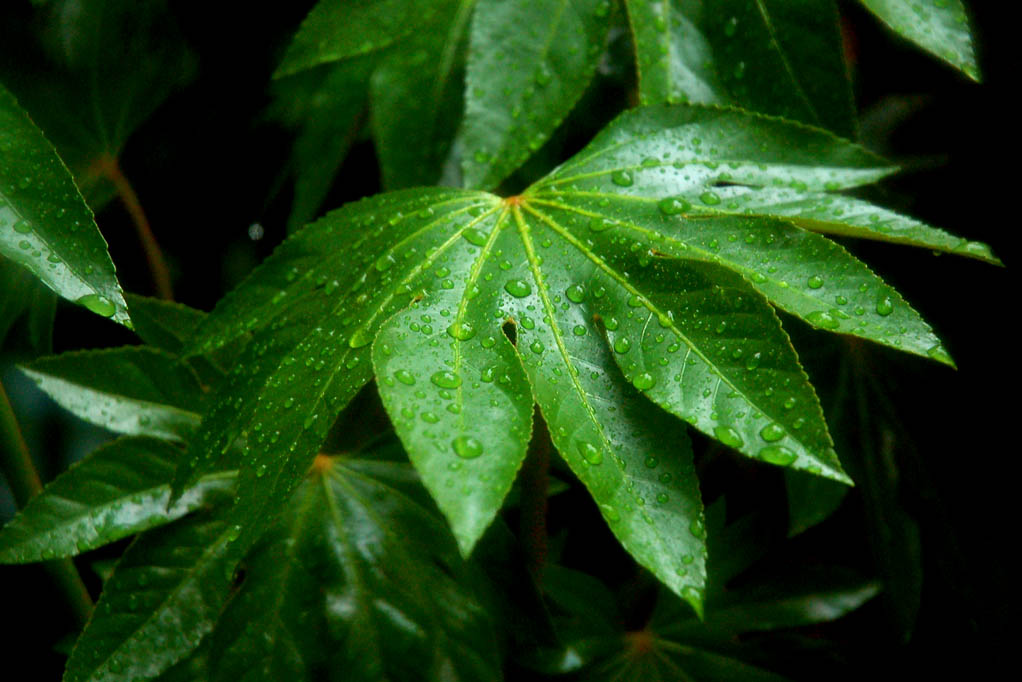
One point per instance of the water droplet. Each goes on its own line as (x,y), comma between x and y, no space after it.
(772,432)
(467,447)
(728,436)
(697,529)
(446,379)
(662,498)
(518,288)
(576,293)
(405,377)
(610,513)
(536,347)
(709,198)
(98,304)
(815,282)
(777,454)
(644,381)
(462,331)
(673,206)
(474,236)
(622,345)
(823,319)
(622,178)
(939,354)
(22,226)
(885,306)
(589,452)
(360,338)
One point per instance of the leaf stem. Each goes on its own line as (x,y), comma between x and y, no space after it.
(24,481)
(109,167)
(535,478)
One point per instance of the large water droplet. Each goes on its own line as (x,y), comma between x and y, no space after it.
(446,379)
(728,436)
(463,331)
(98,304)
(622,178)
(467,447)
(772,432)
(777,454)
(518,288)
(823,319)
(589,452)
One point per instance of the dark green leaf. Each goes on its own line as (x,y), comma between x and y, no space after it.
(164,597)
(112,63)
(811,500)
(164,325)
(324,106)
(45,225)
(314,590)
(119,490)
(417,96)
(774,56)
(339,29)
(528,64)
(134,389)
(938,26)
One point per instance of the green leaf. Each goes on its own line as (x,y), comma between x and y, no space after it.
(704,183)
(811,500)
(528,64)
(340,29)
(163,598)
(164,325)
(119,490)
(774,56)
(45,225)
(325,107)
(133,390)
(628,272)
(111,64)
(417,95)
(314,590)
(938,26)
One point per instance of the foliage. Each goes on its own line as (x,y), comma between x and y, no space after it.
(511,303)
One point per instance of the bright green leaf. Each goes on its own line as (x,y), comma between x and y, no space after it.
(119,490)
(628,272)
(938,26)
(134,390)
(528,64)
(45,225)
(168,588)
(774,56)
(313,587)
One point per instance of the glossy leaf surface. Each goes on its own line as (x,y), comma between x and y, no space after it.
(45,225)
(528,64)
(163,597)
(315,591)
(774,56)
(938,26)
(638,270)
(133,390)
(119,490)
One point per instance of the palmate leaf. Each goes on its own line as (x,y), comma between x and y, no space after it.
(164,596)
(940,27)
(773,56)
(314,599)
(647,265)
(45,225)
(119,490)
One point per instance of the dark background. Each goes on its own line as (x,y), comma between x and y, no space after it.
(209,164)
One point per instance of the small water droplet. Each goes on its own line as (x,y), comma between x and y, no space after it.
(517,288)
(622,178)
(772,432)
(589,452)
